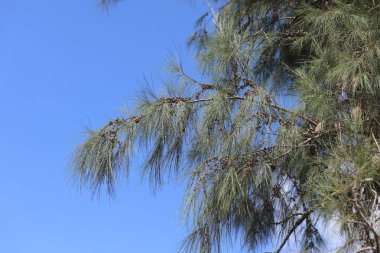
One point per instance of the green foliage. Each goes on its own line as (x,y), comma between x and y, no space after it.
(255,167)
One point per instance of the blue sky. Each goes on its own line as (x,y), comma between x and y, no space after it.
(64,64)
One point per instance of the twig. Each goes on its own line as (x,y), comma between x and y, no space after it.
(287,218)
(365,249)
(369,225)
(295,226)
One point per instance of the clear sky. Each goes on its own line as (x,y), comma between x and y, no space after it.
(63,64)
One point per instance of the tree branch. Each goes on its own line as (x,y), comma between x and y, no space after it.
(365,249)
(291,231)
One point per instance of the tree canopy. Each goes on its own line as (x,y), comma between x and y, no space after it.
(256,166)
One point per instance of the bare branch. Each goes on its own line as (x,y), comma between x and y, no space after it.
(291,231)
(365,249)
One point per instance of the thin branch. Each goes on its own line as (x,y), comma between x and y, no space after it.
(287,218)
(365,249)
(294,113)
(295,226)
(369,225)
(204,86)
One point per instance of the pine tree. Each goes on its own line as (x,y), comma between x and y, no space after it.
(256,167)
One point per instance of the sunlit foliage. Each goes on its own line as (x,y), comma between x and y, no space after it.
(257,168)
